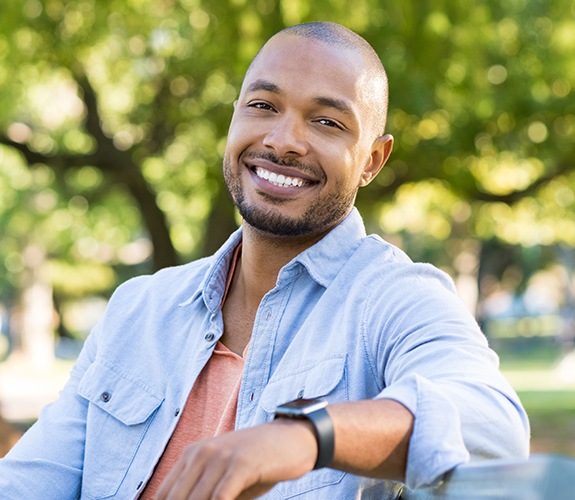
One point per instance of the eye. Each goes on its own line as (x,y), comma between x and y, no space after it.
(260,105)
(329,123)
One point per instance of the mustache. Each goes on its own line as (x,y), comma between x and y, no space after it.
(302,166)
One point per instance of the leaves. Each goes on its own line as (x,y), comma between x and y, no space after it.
(113,118)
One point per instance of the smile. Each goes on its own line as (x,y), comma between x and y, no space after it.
(279,180)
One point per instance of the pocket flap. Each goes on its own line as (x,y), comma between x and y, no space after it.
(129,401)
(315,381)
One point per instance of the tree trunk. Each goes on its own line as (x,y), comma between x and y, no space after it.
(35,329)
(153,218)
(221,222)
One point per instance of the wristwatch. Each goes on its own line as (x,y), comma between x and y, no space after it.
(314,411)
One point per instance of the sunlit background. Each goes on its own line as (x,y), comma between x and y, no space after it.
(113,118)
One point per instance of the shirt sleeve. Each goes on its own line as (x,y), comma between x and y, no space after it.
(437,363)
(47,461)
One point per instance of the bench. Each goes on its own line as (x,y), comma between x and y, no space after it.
(542,477)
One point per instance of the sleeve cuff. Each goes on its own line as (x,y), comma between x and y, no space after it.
(436,445)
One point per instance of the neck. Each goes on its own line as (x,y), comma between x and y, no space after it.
(262,258)
(255,275)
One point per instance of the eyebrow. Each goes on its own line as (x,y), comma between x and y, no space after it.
(329,102)
(262,84)
(338,104)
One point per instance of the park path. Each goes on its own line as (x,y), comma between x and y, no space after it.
(26,388)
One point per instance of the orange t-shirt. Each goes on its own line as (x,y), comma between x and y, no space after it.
(210,409)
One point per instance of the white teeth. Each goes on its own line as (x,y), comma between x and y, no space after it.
(279,180)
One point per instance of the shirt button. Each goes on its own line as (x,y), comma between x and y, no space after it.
(252,395)
(139,485)
(209,337)
(177,412)
(105,397)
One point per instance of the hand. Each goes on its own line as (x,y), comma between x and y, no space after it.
(242,464)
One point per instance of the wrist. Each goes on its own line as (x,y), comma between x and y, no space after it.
(301,434)
(314,414)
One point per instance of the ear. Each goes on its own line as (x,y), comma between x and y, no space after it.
(380,152)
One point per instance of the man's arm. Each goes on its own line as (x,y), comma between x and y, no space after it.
(371,439)
(47,462)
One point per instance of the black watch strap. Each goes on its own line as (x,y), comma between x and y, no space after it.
(324,434)
(314,411)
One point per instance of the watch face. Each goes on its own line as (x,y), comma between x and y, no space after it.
(300,406)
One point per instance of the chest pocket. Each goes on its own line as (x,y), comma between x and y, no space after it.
(119,414)
(327,379)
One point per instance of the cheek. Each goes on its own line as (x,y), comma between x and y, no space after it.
(239,139)
(361,165)
(234,131)
(231,141)
(350,170)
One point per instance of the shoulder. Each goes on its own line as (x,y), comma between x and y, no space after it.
(392,289)
(383,262)
(398,297)
(171,285)
(146,313)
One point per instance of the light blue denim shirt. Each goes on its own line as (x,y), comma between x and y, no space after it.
(350,318)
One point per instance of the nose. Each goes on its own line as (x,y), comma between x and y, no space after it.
(287,136)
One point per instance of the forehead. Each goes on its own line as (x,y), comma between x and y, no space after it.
(310,66)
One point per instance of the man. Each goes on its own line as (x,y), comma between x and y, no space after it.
(299,303)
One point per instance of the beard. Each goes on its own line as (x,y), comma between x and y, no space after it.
(324,212)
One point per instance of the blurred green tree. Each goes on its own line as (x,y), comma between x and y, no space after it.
(113,117)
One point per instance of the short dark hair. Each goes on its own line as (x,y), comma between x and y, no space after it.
(335,34)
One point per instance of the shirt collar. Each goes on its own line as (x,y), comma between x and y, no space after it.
(213,285)
(322,261)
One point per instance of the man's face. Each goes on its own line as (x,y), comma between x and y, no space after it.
(301,137)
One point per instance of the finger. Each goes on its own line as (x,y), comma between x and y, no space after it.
(240,481)
(183,473)
(205,485)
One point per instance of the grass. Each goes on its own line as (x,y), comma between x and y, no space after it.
(543,403)
(532,367)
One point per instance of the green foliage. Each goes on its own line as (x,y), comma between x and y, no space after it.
(114,117)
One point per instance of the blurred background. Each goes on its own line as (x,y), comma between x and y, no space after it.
(113,119)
